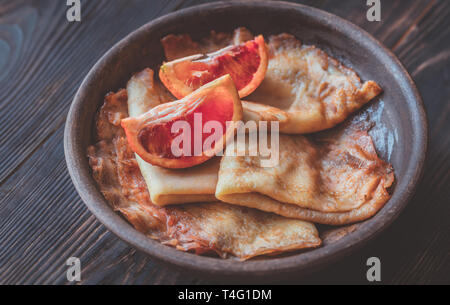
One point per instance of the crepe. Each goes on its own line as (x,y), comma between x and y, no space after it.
(202,227)
(315,90)
(179,46)
(304,89)
(332,178)
(103,161)
(169,186)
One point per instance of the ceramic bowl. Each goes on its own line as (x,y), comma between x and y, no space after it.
(401,137)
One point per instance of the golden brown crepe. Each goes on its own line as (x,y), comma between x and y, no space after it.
(179,46)
(201,228)
(334,177)
(169,186)
(304,89)
(331,178)
(103,161)
(315,90)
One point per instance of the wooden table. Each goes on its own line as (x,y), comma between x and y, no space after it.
(43,221)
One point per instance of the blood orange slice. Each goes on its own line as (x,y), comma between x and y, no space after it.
(246,63)
(189,131)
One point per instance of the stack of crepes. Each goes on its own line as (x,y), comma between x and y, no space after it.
(232,204)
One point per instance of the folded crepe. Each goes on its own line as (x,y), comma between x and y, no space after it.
(332,178)
(169,186)
(304,89)
(179,46)
(201,227)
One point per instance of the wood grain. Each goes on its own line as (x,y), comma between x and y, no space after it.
(43,59)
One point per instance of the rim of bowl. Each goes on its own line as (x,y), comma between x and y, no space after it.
(97,204)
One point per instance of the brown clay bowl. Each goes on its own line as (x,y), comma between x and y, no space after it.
(400,132)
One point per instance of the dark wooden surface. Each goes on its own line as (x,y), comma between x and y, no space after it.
(43,222)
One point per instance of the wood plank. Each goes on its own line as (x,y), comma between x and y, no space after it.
(54,225)
(425,51)
(415,249)
(46,61)
(53,222)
